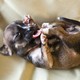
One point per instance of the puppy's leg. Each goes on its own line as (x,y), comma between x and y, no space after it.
(58,31)
(46,52)
(50,60)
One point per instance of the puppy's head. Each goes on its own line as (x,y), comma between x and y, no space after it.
(18,36)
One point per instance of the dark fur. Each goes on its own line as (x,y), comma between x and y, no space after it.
(17,39)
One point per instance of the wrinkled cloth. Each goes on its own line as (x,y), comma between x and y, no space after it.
(16,68)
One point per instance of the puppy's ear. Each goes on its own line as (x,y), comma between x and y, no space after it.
(5,51)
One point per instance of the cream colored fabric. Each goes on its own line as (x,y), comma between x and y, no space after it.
(16,68)
(45,10)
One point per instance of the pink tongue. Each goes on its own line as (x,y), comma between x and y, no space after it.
(37,34)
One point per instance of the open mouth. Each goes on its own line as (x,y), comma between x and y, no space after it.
(37,34)
(35,45)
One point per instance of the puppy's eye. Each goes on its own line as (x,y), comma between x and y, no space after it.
(16,36)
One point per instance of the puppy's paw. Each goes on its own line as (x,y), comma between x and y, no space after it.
(45,25)
(45,28)
(44,39)
(26,19)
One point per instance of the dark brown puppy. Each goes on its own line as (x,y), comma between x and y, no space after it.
(18,36)
(57,49)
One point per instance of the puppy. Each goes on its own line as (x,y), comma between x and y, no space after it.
(18,37)
(54,48)
(59,48)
